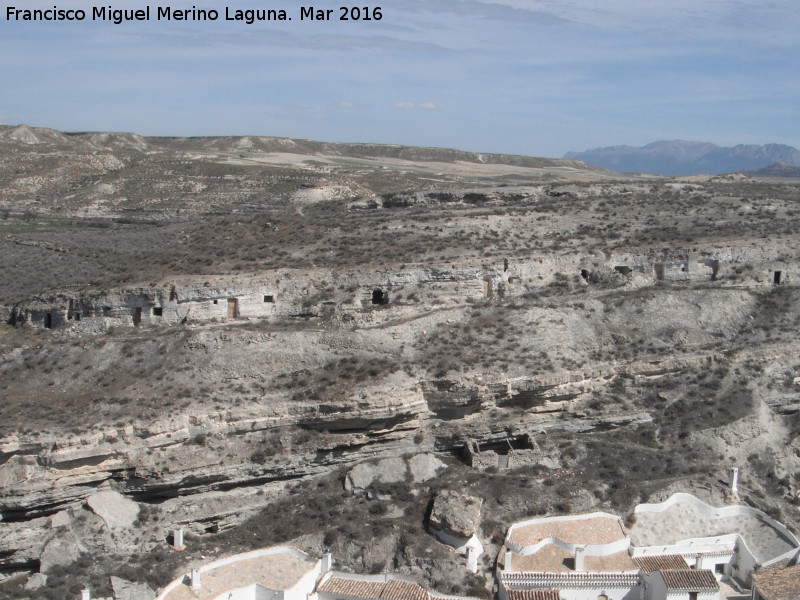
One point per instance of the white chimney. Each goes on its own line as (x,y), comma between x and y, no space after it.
(580,562)
(734,478)
(327,562)
(177,539)
(195,579)
(86,595)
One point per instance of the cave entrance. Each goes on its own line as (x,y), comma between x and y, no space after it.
(585,275)
(48,320)
(776,277)
(233,308)
(659,269)
(379,297)
(623,270)
(137,316)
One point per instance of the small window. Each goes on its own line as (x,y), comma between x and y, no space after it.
(216,301)
(269,298)
(719,568)
(158,311)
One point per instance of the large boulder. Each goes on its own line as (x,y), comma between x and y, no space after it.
(58,552)
(424,467)
(115,509)
(387,470)
(456,514)
(128,590)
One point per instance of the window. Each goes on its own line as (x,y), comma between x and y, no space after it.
(158,311)
(269,298)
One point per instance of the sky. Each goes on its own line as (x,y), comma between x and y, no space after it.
(536,77)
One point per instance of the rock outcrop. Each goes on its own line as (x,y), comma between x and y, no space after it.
(456,514)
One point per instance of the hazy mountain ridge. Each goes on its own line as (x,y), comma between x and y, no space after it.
(91,140)
(681,157)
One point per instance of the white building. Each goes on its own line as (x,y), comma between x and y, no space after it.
(582,557)
(683,548)
(278,573)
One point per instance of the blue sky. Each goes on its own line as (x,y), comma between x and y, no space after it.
(538,77)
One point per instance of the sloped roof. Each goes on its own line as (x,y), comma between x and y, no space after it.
(353,587)
(778,584)
(671,562)
(534,594)
(689,579)
(396,589)
(393,589)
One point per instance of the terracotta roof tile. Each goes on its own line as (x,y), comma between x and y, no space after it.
(671,562)
(394,589)
(534,595)
(353,587)
(780,584)
(689,579)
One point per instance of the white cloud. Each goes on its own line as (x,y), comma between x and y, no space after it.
(423,105)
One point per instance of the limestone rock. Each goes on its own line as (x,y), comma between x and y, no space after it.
(36,581)
(61,519)
(58,551)
(456,514)
(115,509)
(424,467)
(388,470)
(128,590)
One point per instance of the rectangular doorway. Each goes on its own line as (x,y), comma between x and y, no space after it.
(659,268)
(233,308)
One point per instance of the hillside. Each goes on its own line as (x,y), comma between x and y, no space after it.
(273,341)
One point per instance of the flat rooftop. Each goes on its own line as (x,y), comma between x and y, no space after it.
(552,558)
(683,521)
(279,571)
(591,530)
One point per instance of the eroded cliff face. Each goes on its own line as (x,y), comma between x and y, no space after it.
(204,424)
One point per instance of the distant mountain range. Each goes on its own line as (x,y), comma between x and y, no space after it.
(680,157)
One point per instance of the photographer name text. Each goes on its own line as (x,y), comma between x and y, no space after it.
(117,16)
